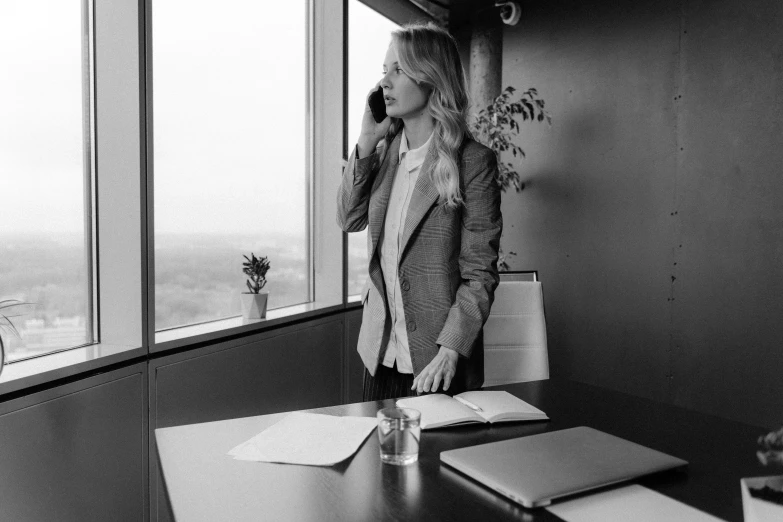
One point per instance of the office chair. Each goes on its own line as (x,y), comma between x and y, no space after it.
(515,347)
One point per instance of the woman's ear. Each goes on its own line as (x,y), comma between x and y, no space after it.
(425,85)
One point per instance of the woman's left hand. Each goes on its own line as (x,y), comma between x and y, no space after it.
(442,367)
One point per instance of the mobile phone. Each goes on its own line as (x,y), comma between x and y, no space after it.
(377,105)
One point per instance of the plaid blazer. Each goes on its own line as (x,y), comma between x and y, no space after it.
(448,257)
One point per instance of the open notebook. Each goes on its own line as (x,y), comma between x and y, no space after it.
(439,410)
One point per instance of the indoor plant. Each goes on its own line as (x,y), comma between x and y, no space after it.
(771,451)
(6,325)
(496,126)
(254,302)
(762,497)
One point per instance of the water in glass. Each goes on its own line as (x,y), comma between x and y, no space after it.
(399,431)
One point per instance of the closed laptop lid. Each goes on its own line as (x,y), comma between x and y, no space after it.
(536,469)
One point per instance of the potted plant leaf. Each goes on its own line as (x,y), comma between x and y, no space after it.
(497,128)
(762,497)
(7,325)
(254,302)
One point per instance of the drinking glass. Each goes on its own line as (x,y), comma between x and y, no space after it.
(399,431)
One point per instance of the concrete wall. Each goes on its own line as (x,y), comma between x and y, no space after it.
(652,209)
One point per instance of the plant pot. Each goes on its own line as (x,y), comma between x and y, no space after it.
(254,305)
(762,498)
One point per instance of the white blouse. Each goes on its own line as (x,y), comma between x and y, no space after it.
(391,238)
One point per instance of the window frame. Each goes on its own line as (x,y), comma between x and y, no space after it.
(88,196)
(325,292)
(123,195)
(116,215)
(398,12)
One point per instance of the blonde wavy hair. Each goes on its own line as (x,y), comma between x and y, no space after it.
(428,54)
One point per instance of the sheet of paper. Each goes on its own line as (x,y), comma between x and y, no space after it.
(632,502)
(307,438)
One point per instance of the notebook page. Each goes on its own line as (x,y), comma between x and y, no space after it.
(502,404)
(439,410)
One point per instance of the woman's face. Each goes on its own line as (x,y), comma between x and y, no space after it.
(404,97)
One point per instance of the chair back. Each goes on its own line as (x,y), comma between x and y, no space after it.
(515,347)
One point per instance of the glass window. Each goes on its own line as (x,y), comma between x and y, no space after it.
(45,225)
(369,34)
(230,153)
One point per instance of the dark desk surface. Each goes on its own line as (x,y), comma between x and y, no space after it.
(205,484)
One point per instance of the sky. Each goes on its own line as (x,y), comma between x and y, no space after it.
(229,113)
(41,178)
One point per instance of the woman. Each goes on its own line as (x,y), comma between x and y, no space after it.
(427,191)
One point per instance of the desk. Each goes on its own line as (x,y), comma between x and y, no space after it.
(205,484)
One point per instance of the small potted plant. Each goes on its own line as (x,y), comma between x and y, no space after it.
(6,325)
(762,497)
(254,302)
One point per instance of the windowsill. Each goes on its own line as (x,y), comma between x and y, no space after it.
(216,330)
(29,373)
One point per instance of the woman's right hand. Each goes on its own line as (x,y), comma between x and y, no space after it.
(372,133)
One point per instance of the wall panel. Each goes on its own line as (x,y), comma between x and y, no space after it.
(77,452)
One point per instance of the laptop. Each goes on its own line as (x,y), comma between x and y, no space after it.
(534,470)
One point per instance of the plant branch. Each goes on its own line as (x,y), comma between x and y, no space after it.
(255,268)
(496,127)
(6,324)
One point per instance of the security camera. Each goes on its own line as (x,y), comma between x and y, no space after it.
(509,12)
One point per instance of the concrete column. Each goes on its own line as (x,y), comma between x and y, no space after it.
(486,57)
